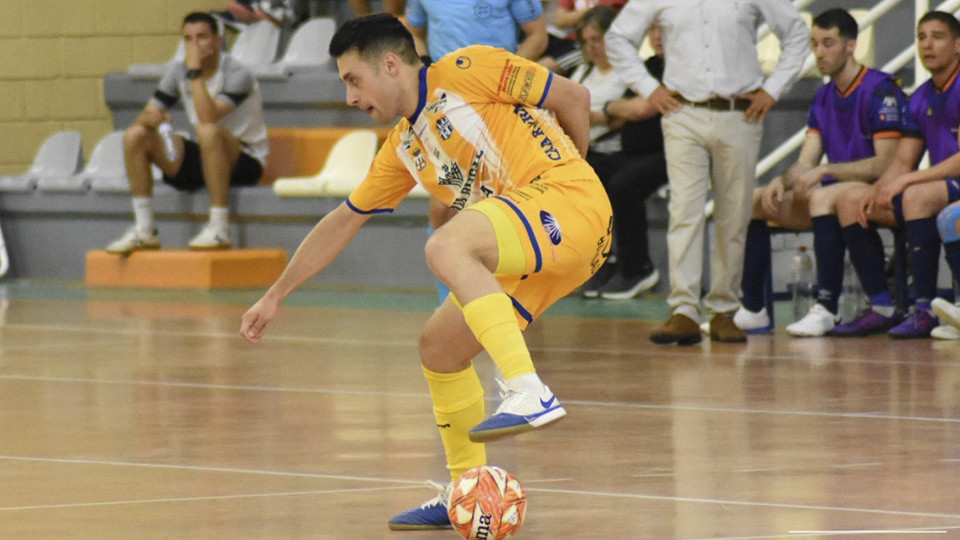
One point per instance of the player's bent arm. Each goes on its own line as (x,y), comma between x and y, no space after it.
(948,168)
(810,154)
(909,152)
(571,103)
(865,169)
(535,39)
(327,239)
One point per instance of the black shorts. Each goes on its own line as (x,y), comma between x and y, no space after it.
(246,171)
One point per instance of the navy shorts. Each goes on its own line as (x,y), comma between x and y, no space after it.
(246,171)
(953,190)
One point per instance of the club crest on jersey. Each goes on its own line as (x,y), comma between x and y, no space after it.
(419,161)
(463,62)
(552,227)
(444,128)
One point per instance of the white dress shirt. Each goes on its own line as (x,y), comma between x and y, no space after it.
(710,46)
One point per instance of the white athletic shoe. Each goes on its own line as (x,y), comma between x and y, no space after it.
(947,312)
(752,323)
(817,322)
(946,332)
(132,240)
(518,412)
(211,238)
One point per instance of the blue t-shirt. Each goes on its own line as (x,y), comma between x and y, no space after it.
(933,115)
(453,24)
(848,123)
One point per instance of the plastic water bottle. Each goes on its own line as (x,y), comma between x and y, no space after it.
(801,267)
(166,135)
(852,298)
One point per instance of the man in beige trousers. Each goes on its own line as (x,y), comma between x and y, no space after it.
(714,98)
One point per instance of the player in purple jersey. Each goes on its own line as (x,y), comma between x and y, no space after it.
(907,197)
(855,119)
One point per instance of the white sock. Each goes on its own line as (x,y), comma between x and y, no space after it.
(886,311)
(143,215)
(220,218)
(528,382)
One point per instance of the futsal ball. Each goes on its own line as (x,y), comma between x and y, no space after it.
(487,503)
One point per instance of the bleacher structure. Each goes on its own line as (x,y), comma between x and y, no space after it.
(320,150)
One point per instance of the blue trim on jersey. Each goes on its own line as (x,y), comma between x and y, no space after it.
(422,98)
(533,238)
(366,212)
(546,90)
(527,316)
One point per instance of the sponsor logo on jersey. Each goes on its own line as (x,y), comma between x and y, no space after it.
(552,152)
(552,227)
(439,105)
(463,62)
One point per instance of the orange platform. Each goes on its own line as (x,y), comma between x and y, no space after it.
(181,269)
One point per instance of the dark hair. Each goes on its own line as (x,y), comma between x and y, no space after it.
(201,17)
(943,17)
(599,16)
(840,19)
(372,37)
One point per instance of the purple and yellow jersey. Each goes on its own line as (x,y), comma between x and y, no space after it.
(478,131)
(849,122)
(933,115)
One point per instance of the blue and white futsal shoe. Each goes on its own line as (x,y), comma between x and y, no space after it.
(519,412)
(428,516)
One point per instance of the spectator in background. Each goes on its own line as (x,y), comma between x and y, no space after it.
(714,98)
(563,48)
(626,151)
(440,27)
(283,13)
(855,119)
(905,196)
(222,101)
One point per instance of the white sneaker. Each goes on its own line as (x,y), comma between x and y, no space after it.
(752,323)
(947,312)
(817,322)
(945,331)
(132,240)
(519,412)
(211,238)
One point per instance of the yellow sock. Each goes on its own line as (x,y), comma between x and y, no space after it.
(458,406)
(492,320)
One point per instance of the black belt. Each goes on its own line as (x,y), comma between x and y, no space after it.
(720,104)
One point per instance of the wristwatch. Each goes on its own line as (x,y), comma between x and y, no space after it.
(194,73)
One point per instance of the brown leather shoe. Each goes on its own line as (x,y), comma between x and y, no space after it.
(678,329)
(724,330)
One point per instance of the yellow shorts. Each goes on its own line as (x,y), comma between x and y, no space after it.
(553,234)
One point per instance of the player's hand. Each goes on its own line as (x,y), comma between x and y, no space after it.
(665,101)
(760,104)
(807,181)
(255,320)
(883,197)
(772,197)
(866,206)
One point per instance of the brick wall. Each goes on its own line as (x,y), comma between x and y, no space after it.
(54,55)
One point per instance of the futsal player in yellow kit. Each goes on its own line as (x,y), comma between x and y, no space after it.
(499,138)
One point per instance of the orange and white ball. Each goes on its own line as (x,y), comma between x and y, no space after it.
(487,503)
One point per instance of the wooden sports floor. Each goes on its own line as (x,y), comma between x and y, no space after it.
(142,415)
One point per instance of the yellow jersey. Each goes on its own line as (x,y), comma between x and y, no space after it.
(478,131)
